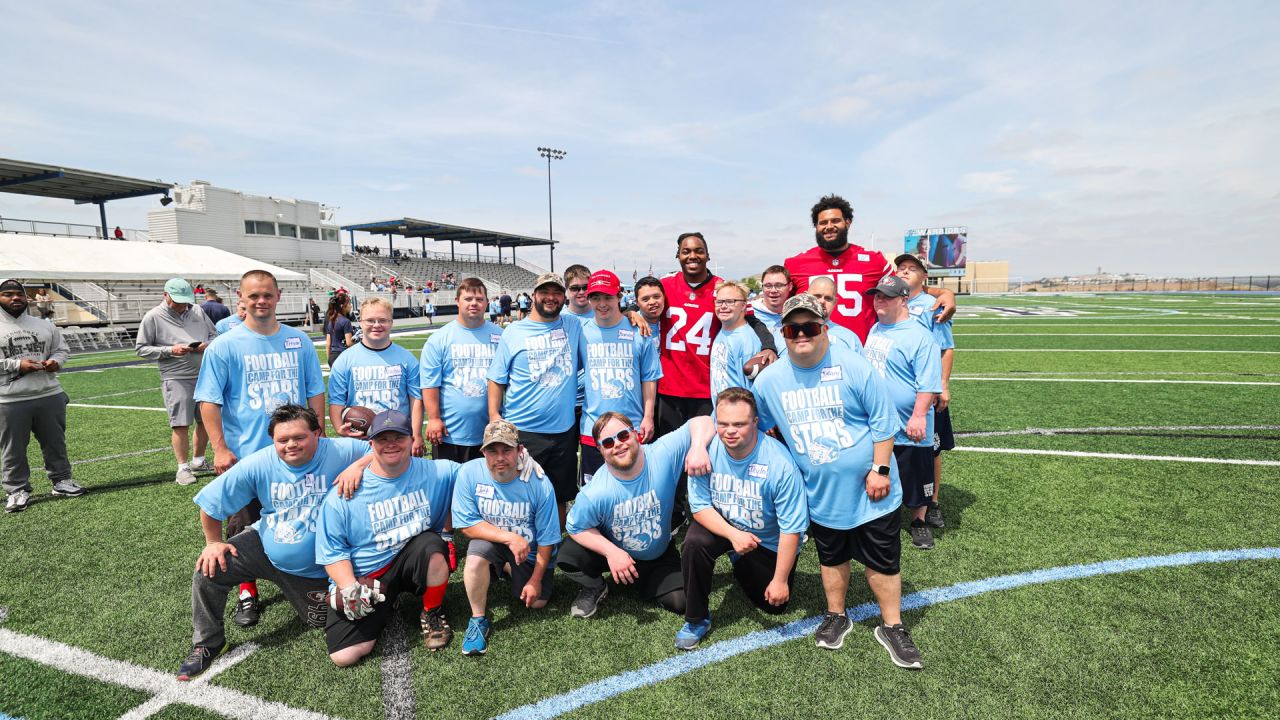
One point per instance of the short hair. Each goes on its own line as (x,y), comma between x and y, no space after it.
(210,293)
(738,395)
(746,291)
(472,284)
(381,302)
(649,281)
(831,202)
(698,235)
(574,271)
(289,413)
(605,419)
(261,274)
(822,279)
(777,270)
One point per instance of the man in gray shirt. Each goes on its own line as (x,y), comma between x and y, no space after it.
(176,333)
(31,399)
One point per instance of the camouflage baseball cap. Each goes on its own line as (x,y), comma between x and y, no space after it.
(891,286)
(803,301)
(500,431)
(549,278)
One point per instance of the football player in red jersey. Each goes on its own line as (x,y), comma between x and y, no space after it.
(852,268)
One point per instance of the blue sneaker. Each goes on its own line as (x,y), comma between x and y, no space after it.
(476,641)
(692,633)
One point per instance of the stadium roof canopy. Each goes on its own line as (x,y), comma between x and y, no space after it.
(430,230)
(38,257)
(82,186)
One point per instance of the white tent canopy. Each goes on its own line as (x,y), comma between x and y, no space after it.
(37,257)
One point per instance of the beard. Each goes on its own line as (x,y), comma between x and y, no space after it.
(842,239)
(550,309)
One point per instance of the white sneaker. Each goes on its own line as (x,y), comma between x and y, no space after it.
(17,502)
(184,476)
(67,488)
(198,464)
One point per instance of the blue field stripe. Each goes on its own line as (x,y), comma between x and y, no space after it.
(688,662)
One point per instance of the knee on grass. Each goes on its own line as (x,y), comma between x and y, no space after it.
(348,656)
(673,601)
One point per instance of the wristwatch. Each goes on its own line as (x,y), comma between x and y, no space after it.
(880,469)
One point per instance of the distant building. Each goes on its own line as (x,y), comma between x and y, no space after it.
(268,228)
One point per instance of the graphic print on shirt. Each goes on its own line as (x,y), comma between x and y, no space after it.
(296,508)
(272,379)
(376,387)
(611,369)
(876,350)
(470,363)
(22,345)
(720,366)
(738,500)
(396,520)
(815,417)
(637,522)
(515,517)
(550,362)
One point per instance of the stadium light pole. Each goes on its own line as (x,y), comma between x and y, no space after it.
(551,154)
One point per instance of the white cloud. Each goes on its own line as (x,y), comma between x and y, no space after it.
(997,182)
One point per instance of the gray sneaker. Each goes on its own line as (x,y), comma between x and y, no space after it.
(933,517)
(67,488)
(588,601)
(831,632)
(921,535)
(902,651)
(184,477)
(17,502)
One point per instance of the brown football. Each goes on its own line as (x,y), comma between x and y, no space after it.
(754,364)
(359,417)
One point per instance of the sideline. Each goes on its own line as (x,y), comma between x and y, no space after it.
(1118,456)
(681,664)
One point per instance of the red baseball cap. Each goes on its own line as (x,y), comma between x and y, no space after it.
(603,281)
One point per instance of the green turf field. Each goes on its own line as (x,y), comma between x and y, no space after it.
(1093,428)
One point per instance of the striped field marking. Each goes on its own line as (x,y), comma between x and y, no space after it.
(1136,350)
(115,407)
(398,700)
(1096,334)
(1113,380)
(1113,429)
(1118,456)
(678,665)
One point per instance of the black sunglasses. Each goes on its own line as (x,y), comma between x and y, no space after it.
(813,329)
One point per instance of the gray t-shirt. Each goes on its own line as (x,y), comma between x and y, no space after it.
(162,328)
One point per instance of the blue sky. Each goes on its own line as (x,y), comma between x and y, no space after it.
(1136,136)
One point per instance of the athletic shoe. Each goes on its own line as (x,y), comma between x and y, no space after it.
(200,464)
(184,476)
(588,601)
(67,488)
(933,517)
(688,637)
(248,609)
(921,535)
(198,661)
(436,633)
(17,502)
(476,641)
(831,632)
(897,640)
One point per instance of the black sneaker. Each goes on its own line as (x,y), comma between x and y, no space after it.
(198,661)
(897,640)
(248,609)
(831,632)
(921,535)
(933,517)
(588,601)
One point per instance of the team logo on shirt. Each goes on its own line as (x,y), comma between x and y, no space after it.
(611,369)
(637,522)
(550,363)
(271,380)
(395,521)
(738,500)
(470,362)
(513,517)
(376,387)
(295,503)
(815,420)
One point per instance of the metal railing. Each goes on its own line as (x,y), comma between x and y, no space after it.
(41,227)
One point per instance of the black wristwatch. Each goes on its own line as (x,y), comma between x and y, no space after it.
(880,469)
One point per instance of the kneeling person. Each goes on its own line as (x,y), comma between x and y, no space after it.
(389,531)
(290,479)
(621,521)
(752,506)
(506,507)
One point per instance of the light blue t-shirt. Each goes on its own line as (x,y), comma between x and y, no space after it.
(909,362)
(584,318)
(942,333)
(729,352)
(527,509)
(495,307)
(539,363)
(385,379)
(227,323)
(290,498)
(843,337)
(832,415)
(456,359)
(762,494)
(617,361)
(373,527)
(920,308)
(773,321)
(655,334)
(635,514)
(250,375)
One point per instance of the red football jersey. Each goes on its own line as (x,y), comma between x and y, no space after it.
(854,271)
(688,327)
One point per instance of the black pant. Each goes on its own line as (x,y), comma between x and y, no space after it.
(673,412)
(458,453)
(659,578)
(407,573)
(753,571)
(591,460)
(557,453)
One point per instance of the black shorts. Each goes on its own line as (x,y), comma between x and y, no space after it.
(407,573)
(675,411)
(557,453)
(457,453)
(592,461)
(875,544)
(943,438)
(915,470)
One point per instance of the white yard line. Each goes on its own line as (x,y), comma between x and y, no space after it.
(1097,334)
(116,407)
(1108,350)
(117,394)
(1113,380)
(398,700)
(1119,456)
(1125,428)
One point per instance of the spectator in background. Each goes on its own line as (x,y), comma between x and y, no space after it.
(429,309)
(44,304)
(338,329)
(313,313)
(119,234)
(213,307)
(231,321)
(505,302)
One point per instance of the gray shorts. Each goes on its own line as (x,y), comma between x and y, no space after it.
(499,555)
(180,401)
